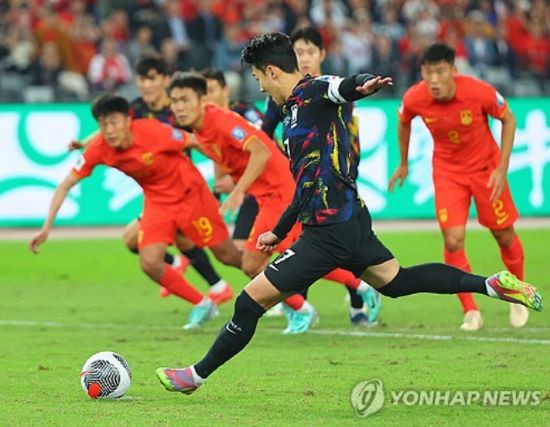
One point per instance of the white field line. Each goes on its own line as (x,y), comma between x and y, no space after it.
(336,332)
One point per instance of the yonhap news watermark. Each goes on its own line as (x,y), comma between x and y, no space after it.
(369,396)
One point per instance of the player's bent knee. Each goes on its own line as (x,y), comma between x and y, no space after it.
(152,266)
(244,303)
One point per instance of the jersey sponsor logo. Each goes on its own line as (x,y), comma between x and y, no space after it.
(293,116)
(500,99)
(443,215)
(148,158)
(252,116)
(238,133)
(177,134)
(466,117)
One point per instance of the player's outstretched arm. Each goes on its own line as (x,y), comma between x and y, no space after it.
(58,198)
(400,174)
(355,87)
(497,180)
(77,145)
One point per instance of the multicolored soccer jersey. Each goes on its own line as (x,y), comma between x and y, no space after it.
(176,195)
(140,110)
(224,137)
(316,140)
(249,111)
(465,152)
(272,117)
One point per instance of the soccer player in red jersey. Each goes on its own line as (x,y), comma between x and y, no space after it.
(466,163)
(257,167)
(176,196)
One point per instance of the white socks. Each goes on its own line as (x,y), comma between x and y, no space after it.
(490,291)
(218,287)
(196,377)
(362,287)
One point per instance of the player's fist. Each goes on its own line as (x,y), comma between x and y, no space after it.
(267,242)
(75,145)
(37,240)
(372,85)
(399,176)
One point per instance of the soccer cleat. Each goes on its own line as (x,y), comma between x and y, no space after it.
(276,311)
(508,287)
(472,321)
(519,315)
(372,299)
(361,320)
(200,314)
(180,380)
(221,297)
(301,321)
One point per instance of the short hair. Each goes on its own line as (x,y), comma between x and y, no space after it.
(438,52)
(151,61)
(271,49)
(214,74)
(188,79)
(107,104)
(309,34)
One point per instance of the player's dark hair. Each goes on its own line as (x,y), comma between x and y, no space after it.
(108,104)
(308,34)
(151,61)
(271,49)
(188,79)
(438,52)
(214,74)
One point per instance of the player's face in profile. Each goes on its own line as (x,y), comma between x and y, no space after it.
(309,57)
(115,129)
(267,84)
(215,93)
(151,86)
(439,77)
(187,106)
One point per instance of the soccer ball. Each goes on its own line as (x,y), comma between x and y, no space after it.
(105,375)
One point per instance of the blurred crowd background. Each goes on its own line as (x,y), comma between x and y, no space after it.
(69,50)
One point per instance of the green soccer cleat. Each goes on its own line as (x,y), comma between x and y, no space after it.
(179,380)
(373,300)
(200,314)
(508,287)
(301,321)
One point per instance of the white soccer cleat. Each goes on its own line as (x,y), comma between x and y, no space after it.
(472,321)
(275,311)
(518,315)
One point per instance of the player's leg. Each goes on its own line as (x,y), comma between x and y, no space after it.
(220,291)
(452,201)
(244,221)
(500,217)
(291,272)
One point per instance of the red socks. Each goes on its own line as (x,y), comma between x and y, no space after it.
(176,284)
(513,258)
(295,302)
(344,277)
(458,259)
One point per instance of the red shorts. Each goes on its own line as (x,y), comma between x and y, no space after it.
(197,218)
(269,212)
(453,193)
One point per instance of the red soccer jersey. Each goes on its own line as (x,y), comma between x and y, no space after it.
(154,160)
(224,137)
(460,129)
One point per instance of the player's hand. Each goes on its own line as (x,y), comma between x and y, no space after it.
(75,145)
(224,184)
(497,181)
(38,239)
(233,202)
(372,85)
(267,242)
(191,140)
(399,176)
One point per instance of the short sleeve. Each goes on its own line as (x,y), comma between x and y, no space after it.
(238,131)
(89,159)
(173,138)
(493,103)
(405,112)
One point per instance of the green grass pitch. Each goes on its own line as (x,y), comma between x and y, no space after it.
(80,297)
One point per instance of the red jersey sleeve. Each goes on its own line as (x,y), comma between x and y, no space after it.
(238,131)
(172,137)
(492,102)
(89,159)
(405,112)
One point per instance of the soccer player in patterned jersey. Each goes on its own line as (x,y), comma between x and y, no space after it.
(176,197)
(257,167)
(337,228)
(466,163)
(310,53)
(152,78)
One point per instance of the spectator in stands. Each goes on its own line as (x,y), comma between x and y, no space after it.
(537,49)
(357,42)
(481,49)
(109,69)
(141,44)
(20,42)
(47,67)
(205,30)
(49,29)
(386,58)
(85,35)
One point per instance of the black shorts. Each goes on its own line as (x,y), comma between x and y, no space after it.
(245,218)
(351,245)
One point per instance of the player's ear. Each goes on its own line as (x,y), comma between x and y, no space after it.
(323,54)
(271,72)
